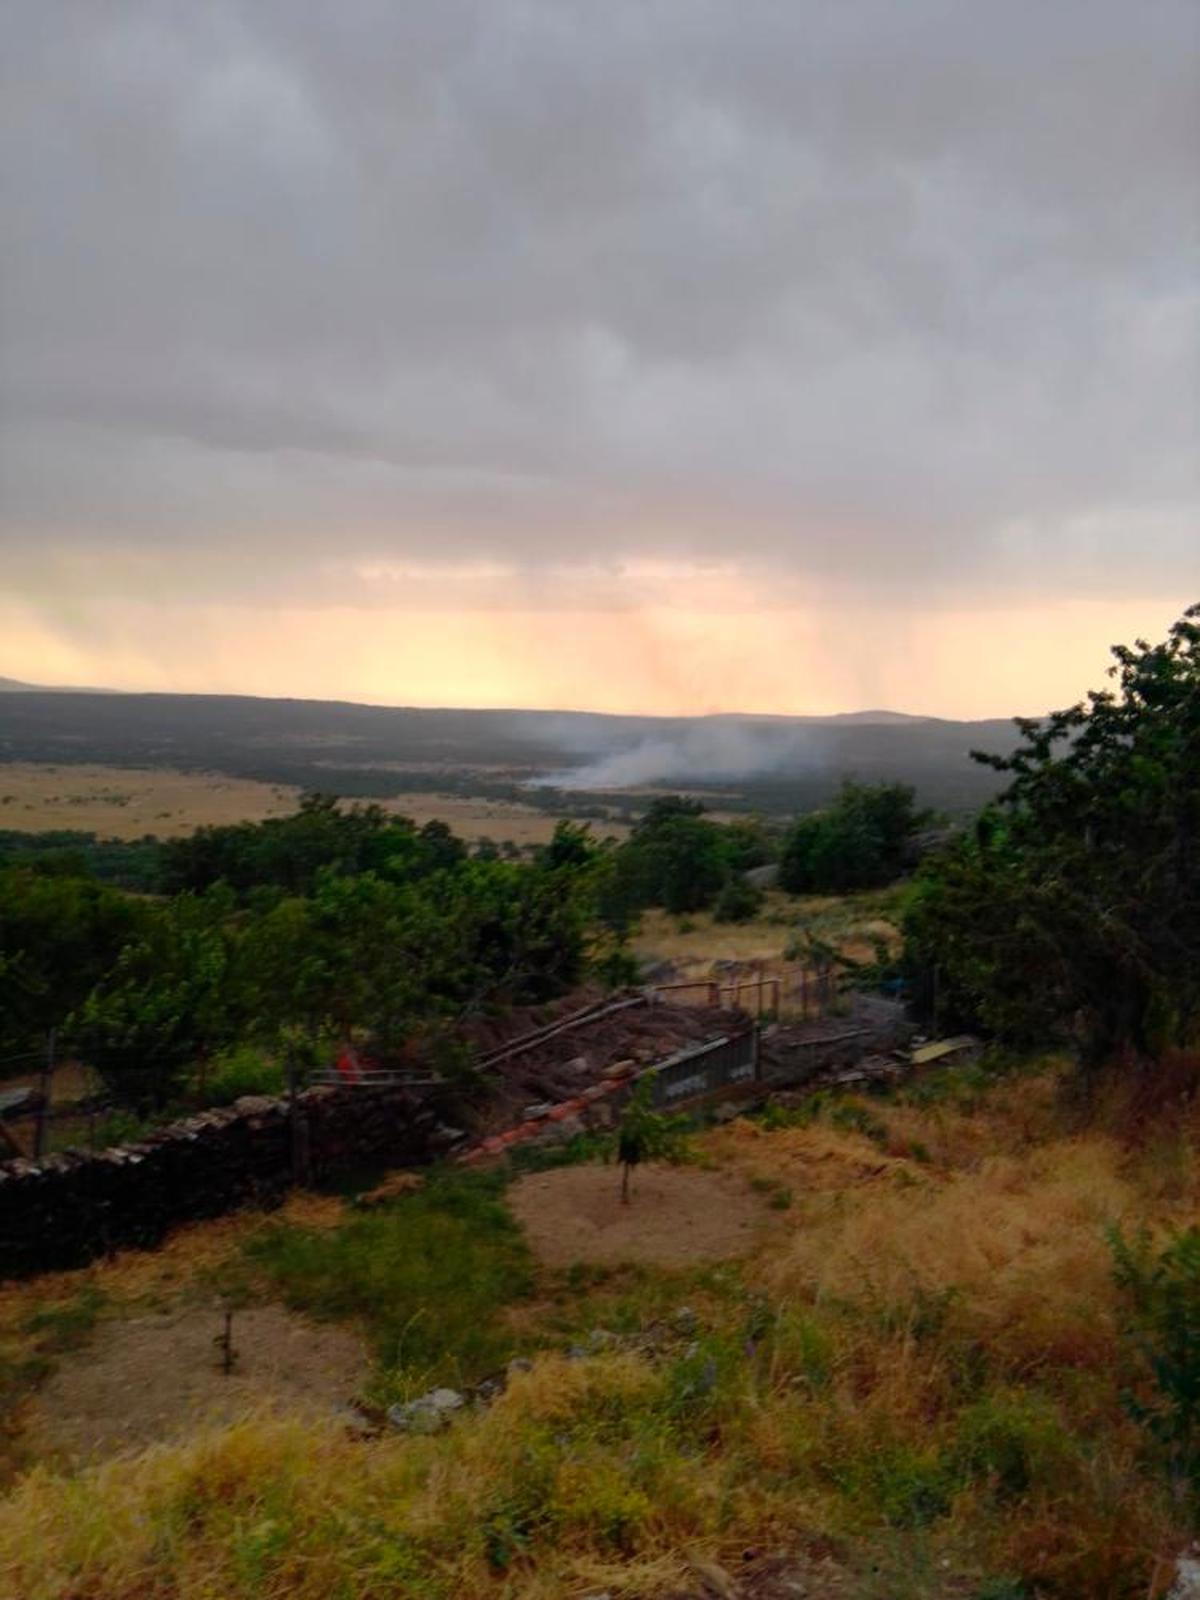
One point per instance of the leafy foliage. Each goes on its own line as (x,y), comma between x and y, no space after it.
(738,901)
(166,1003)
(1073,910)
(644,1134)
(1162,1292)
(58,936)
(70,852)
(321,836)
(863,841)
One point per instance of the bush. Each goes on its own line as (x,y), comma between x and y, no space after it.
(1162,1296)
(1014,1440)
(242,1069)
(738,901)
(863,841)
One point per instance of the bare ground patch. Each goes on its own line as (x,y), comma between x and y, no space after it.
(156,1378)
(677,1215)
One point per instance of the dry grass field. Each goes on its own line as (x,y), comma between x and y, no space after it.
(696,944)
(909,1389)
(130,802)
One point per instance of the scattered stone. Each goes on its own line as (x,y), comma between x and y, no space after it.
(428,1413)
(534,1113)
(519,1364)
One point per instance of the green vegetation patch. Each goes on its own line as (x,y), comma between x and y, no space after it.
(427,1276)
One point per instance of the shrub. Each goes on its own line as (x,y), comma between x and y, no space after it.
(242,1069)
(1162,1294)
(1013,1439)
(738,901)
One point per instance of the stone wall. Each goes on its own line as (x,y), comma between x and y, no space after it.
(75,1205)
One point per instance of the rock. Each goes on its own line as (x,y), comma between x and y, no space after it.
(601,1339)
(619,1069)
(685,1320)
(427,1413)
(534,1113)
(1187,1576)
(519,1364)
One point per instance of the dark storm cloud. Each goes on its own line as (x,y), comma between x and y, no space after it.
(855,291)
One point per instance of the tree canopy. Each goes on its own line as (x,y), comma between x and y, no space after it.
(1072,910)
(863,841)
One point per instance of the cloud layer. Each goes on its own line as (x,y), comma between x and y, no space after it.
(485,306)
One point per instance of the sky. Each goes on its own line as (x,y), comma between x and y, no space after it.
(654,355)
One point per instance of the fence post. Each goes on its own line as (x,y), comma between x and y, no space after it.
(297,1127)
(47,1087)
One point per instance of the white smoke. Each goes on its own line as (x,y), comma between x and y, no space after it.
(708,752)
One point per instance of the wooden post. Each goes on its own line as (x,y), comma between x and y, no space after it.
(297,1127)
(47,1089)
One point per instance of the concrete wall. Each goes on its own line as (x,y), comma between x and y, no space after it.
(75,1205)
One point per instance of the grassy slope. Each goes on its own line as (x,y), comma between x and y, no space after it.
(921,1375)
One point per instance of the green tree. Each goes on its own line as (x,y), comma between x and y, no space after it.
(167,1002)
(676,858)
(863,841)
(644,1134)
(1072,912)
(59,936)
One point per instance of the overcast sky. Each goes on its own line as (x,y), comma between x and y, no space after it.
(647,354)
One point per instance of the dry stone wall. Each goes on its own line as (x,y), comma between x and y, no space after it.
(75,1205)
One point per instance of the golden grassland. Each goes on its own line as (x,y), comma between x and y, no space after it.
(695,943)
(130,802)
(919,1374)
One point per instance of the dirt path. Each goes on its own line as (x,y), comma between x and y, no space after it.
(155,1378)
(677,1215)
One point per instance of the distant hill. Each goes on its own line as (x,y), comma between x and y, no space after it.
(15,686)
(769,763)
